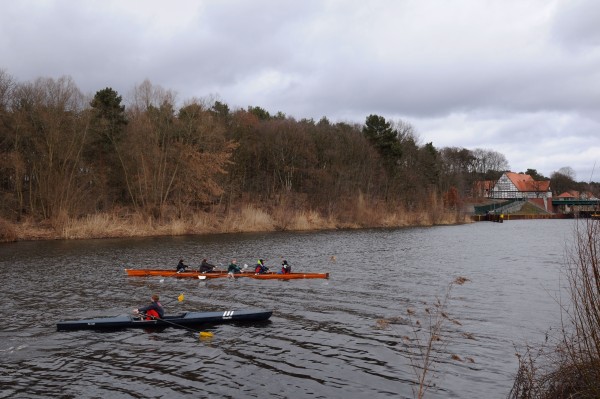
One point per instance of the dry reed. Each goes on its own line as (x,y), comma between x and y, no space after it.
(7,232)
(428,342)
(354,213)
(571,367)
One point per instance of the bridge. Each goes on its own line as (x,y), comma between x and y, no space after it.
(581,207)
(565,207)
(576,202)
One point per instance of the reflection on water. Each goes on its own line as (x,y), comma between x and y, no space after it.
(336,338)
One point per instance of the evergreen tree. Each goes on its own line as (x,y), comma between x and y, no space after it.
(384,138)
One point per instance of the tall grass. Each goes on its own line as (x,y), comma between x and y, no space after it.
(7,232)
(110,225)
(357,212)
(570,368)
(428,342)
(430,335)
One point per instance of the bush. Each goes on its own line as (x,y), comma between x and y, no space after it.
(7,232)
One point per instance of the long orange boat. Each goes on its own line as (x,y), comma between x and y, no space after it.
(221,274)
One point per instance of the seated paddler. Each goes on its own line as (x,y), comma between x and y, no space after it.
(181,266)
(285,267)
(233,268)
(260,267)
(154,310)
(206,267)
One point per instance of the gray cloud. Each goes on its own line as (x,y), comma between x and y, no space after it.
(514,76)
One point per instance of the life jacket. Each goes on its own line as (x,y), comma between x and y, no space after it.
(258,269)
(151,314)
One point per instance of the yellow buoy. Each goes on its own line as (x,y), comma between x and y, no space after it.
(205,334)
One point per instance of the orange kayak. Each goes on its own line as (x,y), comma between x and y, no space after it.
(221,274)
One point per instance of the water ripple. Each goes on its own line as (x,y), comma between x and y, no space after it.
(346,337)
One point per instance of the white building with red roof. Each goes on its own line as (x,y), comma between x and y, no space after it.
(519,185)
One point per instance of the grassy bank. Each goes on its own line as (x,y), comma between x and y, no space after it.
(247,218)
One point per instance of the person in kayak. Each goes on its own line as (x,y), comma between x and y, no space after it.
(205,266)
(154,310)
(233,267)
(285,267)
(181,266)
(260,267)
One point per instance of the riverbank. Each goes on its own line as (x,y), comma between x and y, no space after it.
(246,219)
(512,216)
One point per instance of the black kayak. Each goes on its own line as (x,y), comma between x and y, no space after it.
(185,319)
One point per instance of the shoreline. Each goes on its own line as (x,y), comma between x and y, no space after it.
(248,220)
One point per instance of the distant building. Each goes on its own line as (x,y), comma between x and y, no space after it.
(577,202)
(519,185)
(567,195)
(576,195)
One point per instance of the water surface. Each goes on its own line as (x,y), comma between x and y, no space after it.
(338,338)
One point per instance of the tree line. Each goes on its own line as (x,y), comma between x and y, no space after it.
(65,155)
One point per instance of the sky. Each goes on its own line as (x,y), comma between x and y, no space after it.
(520,77)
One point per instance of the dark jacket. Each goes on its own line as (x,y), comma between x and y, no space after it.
(206,267)
(181,267)
(156,306)
(233,268)
(260,268)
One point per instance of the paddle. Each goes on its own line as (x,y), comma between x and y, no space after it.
(201,334)
(180,298)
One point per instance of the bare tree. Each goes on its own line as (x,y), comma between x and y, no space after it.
(174,157)
(567,171)
(489,160)
(52,127)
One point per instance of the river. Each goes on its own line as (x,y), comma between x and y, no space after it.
(348,336)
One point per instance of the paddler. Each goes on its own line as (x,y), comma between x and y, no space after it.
(260,267)
(233,267)
(154,310)
(205,266)
(181,266)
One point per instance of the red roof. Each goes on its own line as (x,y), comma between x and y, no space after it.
(525,182)
(573,194)
(567,194)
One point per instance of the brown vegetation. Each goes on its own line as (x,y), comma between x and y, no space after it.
(247,219)
(571,367)
(428,342)
(77,167)
(7,232)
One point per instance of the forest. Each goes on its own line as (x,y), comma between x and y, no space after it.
(77,166)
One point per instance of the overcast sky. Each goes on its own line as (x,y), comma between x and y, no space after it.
(519,77)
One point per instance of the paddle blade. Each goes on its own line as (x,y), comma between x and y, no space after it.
(201,277)
(180,298)
(205,334)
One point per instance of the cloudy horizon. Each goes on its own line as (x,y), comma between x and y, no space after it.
(516,77)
